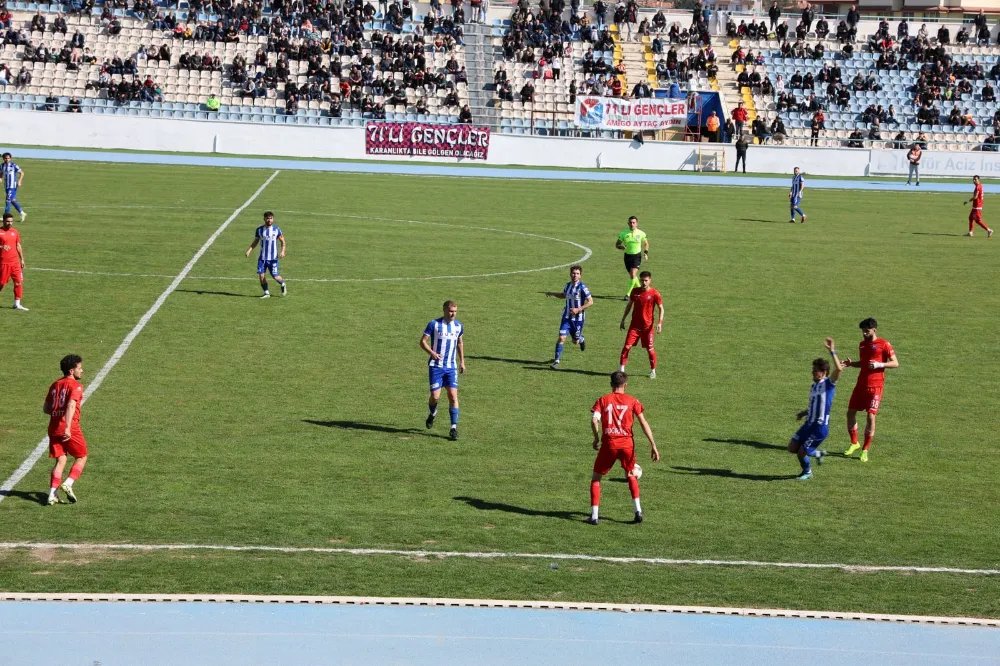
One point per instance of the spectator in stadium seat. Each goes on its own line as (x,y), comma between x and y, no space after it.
(856,139)
(817,125)
(778,132)
(59,24)
(23,78)
(213,103)
(38,22)
(465,115)
(796,81)
(74,106)
(944,35)
(759,129)
(988,93)
(991,143)
(641,90)
(922,140)
(955,117)
(983,36)
(5,76)
(451,99)
(528,92)
(962,36)
(291,105)
(874,133)
(968,120)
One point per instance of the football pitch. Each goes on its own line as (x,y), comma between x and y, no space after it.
(297,422)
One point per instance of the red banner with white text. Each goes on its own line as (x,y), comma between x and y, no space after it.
(427,140)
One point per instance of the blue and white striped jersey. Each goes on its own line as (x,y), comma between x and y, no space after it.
(444,341)
(820,402)
(797,183)
(10,172)
(268,237)
(576,295)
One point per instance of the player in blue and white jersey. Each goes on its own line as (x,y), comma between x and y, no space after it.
(269,236)
(795,194)
(443,342)
(578,299)
(12,176)
(806,441)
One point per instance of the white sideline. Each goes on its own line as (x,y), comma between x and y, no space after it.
(853,568)
(43,445)
(443,602)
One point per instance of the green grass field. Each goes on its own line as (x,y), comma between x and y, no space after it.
(299,421)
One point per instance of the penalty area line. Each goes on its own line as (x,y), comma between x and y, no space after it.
(36,454)
(443,554)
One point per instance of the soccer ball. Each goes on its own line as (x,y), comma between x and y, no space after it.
(637,471)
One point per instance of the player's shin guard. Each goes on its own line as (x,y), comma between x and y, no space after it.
(559,350)
(54,481)
(980,223)
(18,291)
(869,434)
(806,466)
(453,414)
(17,207)
(625,351)
(263,286)
(633,486)
(595,496)
(75,471)
(652,360)
(853,432)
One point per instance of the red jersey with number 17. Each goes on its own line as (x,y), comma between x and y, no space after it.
(616,412)
(60,393)
(877,350)
(642,307)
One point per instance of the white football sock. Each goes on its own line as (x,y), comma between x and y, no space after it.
(638,507)
(68,482)
(593,512)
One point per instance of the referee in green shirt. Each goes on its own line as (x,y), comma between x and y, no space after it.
(636,247)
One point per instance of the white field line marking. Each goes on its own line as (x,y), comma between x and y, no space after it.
(853,568)
(33,458)
(587,254)
(446,602)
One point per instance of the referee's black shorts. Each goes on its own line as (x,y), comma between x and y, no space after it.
(632,261)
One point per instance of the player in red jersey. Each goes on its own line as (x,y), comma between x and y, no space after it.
(876,355)
(976,214)
(612,425)
(62,404)
(644,298)
(11,259)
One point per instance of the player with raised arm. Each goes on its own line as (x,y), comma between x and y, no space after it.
(636,246)
(805,442)
(269,236)
(62,404)
(11,259)
(444,342)
(876,354)
(642,301)
(976,214)
(611,421)
(13,176)
(578,299)
(795,195)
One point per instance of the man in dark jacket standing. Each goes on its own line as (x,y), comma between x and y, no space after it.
(741,152)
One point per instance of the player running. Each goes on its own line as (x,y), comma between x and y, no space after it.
(636,247)
(11,259)
(876,355)
(644,298)
(12,176)
(62,404)
(443,341)
(611,422)
(805,442)
(269,236)
(795,195)
(578,299)
(976,214)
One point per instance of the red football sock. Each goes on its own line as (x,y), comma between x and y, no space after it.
(652,360)
(853,432)
(624,359)
(979,222)
(76,470)
(868,440)
(18,291)
(633,487)
(55,480)
(595,493)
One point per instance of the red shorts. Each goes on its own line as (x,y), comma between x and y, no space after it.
(643,336)
(8,271)
(76,446)
(607,456)
(866,399)
(976,215)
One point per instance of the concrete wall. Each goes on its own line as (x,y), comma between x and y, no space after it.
(172,135)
